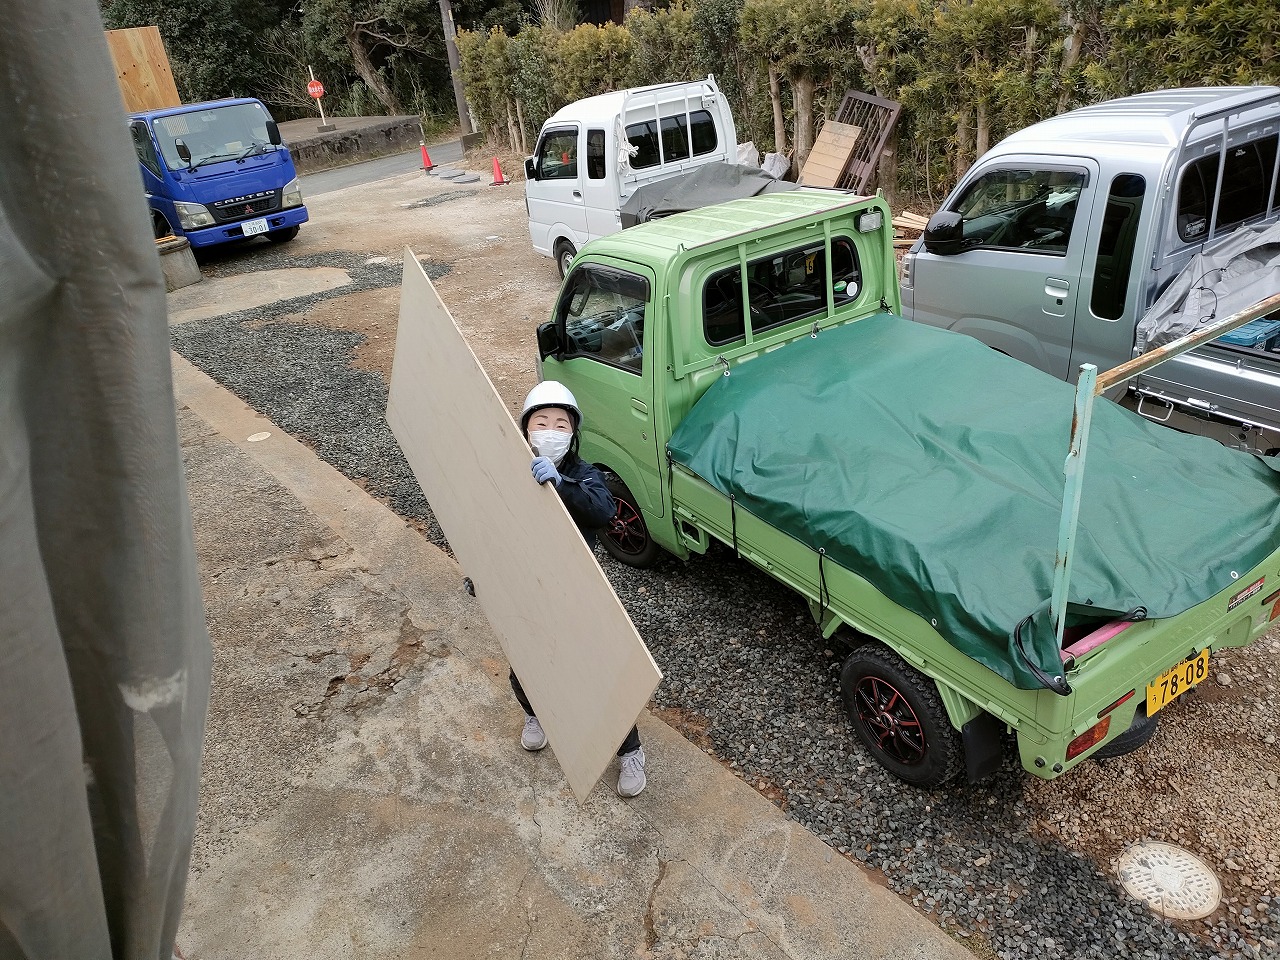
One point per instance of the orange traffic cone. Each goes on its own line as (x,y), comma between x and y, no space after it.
(498,179)
(427,165)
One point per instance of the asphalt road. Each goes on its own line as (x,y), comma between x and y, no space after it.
(326,181)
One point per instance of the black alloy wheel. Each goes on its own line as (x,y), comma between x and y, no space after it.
(626,538)
(899,717)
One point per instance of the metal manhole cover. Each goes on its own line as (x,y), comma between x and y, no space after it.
(1173,882)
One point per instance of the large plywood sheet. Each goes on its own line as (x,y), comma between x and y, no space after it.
(585,669)
(142,69)
(830,154)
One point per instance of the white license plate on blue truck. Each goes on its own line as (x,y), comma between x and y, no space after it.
(252,228)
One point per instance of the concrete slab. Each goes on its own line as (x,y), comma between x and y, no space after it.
(228,294)
(364,791)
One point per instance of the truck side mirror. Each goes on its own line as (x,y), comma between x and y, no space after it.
(530,169)
(549,343)
(944,234)
(184,152)
(273,133)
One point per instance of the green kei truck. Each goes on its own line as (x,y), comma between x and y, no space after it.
(745,376)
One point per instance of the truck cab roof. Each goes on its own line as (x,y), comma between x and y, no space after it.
(150,115)
(605,107)
(662,241)
(1148,122)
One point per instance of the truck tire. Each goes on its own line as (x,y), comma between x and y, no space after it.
(565,252)
(1138,735)
(899,717)
(626,538)
(282,236)
(160,225)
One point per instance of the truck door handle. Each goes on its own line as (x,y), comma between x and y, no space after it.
(577,194)
(1053,287)
(639,405)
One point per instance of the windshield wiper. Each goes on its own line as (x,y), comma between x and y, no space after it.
(251,150)
(209,159)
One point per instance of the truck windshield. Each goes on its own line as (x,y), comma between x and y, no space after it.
(213,133)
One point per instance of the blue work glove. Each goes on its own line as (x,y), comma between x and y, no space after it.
(544,470)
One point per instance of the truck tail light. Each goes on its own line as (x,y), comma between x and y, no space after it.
(908,264)
(1094,735)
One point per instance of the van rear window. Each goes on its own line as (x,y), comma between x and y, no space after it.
(1244,198)
(679,139)
(782,287)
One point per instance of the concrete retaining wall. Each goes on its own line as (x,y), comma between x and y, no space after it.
(355,139)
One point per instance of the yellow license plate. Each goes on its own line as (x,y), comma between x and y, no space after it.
(1174,683)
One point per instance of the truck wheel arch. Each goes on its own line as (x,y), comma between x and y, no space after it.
(160,227)
(898,714)
(627,538)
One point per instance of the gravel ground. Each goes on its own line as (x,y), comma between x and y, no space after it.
(749,679)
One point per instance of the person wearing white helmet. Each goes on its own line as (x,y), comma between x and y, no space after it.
(550,421)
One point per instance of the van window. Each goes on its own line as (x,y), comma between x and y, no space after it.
(558,155)
(780,288)
(602,309)
(1244,189)
(679,140)
(1023,209)
(595,154)
(1116,243)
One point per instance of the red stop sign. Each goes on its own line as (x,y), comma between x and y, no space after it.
(316,89)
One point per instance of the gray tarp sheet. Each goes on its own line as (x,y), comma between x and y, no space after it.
(703,186)
(1237,274)
(105,677)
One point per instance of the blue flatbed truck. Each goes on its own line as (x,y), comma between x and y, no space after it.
(217,172)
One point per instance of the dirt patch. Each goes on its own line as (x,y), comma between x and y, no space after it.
(374,314)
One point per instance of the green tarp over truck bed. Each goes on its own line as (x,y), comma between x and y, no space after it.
(932,466)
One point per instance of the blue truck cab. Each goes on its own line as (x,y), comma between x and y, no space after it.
(218,171)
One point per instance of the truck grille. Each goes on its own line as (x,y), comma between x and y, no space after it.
(242,208)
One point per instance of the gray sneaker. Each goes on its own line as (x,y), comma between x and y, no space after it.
(631,778)
(533,737)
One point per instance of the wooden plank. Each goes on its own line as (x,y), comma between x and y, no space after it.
(830,154)
(585,669)
(142,69)
(910,221)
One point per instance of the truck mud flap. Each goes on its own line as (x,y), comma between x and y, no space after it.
(983,746)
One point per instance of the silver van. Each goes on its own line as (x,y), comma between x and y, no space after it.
(593,154)
(1060,238)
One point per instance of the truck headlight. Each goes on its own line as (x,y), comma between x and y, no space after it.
(292,194)
(193,216)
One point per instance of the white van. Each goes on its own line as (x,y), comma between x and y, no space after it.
(628,138)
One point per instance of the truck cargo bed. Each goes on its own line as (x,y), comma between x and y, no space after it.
(932,466)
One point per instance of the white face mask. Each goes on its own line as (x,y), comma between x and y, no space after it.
(552,444)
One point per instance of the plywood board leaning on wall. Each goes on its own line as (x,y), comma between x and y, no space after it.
(830,154)
(142,69)
(578,656)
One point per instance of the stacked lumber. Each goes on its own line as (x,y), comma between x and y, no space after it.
(905,221)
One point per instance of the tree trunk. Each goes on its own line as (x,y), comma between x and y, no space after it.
(983,139)
(374,80)
(802,101)
(963,142)
(524,146)
(1070,57)
(455,68)
(887,170)
(779,122)
(512,139)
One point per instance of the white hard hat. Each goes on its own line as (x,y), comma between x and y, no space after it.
(550,393)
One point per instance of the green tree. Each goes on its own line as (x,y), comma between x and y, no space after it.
(215,47)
